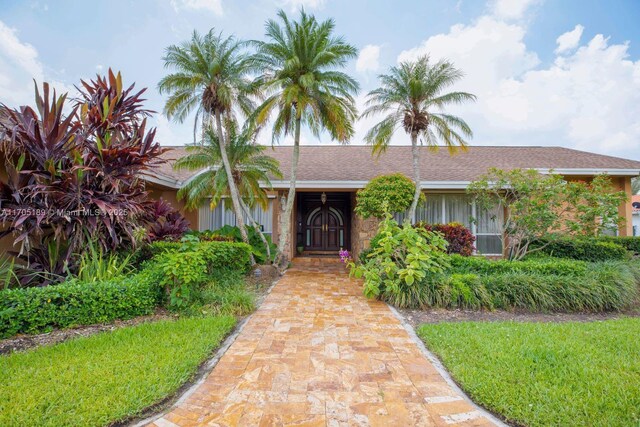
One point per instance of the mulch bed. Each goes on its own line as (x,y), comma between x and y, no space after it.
(417,317)
(24,342)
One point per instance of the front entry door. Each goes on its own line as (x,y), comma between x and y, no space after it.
(325,229)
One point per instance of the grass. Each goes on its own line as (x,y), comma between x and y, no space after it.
(541,374)
(225,292)
(107,377)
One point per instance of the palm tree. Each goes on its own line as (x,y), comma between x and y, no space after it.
(251,172)
(412,97)
(210,78)
(299,65)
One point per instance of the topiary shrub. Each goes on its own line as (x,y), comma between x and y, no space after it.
(461,240)
(386,193)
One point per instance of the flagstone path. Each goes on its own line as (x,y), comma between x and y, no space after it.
(318,353)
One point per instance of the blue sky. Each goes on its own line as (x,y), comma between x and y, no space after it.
(554,72)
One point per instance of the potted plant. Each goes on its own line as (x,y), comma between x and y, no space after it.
(300,249)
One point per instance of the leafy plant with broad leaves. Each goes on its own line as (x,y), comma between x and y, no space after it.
(77,176)
(393,192)
(402,258)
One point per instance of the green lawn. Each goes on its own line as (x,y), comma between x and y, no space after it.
(107,377)
(543,374)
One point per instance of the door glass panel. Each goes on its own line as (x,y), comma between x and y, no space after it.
(308,237)
(341,238)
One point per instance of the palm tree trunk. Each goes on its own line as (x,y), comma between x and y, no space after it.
(256,226)
(233,190)
(415,152)
(285,217)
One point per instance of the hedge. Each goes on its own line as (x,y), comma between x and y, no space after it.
(221,255)
(631,243)
(546,265)
(585,249)
(34,310)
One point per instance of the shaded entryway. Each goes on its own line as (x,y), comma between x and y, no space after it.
(323,222)
(318,353)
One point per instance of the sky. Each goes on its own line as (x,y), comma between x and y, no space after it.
(546,72)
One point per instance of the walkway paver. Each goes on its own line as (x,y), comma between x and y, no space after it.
(317,353)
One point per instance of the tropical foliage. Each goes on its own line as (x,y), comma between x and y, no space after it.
(392,193)
(76,177)
(539,207)
(402,258)
(299,66)
(251,169)
(412,96)
(210,78)
(459,238)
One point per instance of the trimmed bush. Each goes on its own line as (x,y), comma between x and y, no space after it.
(460,239)
(175,267)
(542,265)
(217,255)
(631,243)
(33,310)
(385,193)
(585,249)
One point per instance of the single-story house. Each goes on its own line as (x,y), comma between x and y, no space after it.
(329,177)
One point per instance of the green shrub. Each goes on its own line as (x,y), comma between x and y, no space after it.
(95,265)
(585,249)
(182,273)
(631,243)
(542,265)
(455,291)
(33,310)
(258,248)
(605,286)
(386,193)
(217,255)
(401,259)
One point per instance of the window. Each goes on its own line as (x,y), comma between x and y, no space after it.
(445,208)
(220,216)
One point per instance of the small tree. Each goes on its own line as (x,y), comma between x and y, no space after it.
(393,192)
(542,207)
(595,206)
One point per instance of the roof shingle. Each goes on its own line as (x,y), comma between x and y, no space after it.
(355,162)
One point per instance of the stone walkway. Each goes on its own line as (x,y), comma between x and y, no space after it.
(317,353)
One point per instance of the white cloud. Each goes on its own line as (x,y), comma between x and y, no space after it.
(587,98)
(214,6)
(511,9)
(19,66)
(569,40)
(295,5)
(368,58)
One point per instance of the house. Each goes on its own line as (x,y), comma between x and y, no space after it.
(329,177)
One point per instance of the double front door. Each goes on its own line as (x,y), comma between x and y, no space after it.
(324,225)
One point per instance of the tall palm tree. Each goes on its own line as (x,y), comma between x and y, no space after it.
(300,76)
(251,172)
(210,78)
(413,97)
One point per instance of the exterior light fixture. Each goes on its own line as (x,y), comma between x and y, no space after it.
(323,198)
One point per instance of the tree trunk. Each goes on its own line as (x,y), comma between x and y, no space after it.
(285,217)
(415,152)
(233,190)
(256,226)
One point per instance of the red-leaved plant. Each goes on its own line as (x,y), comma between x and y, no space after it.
(165,222)
(461,240)
(74,175)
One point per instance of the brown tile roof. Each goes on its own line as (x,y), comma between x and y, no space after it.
(355,163)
